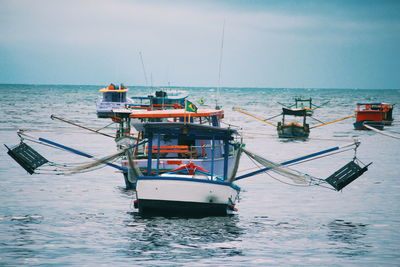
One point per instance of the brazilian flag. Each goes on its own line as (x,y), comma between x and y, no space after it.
(201,101)
(191,107)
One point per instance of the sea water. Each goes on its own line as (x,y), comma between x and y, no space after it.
(87,219)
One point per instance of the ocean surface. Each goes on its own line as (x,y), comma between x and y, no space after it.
(87,219)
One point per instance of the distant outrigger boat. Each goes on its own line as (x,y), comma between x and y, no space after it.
(113,97)
(293,129)
(374,114)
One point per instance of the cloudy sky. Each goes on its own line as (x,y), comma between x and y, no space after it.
(267,43)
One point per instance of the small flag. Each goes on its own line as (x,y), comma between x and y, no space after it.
(201,101)
(191,107)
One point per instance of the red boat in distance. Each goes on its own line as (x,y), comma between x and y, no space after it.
(376,115)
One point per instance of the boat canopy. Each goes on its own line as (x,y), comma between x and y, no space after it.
(106,90)
(200,131)
(172,113)
(300,112)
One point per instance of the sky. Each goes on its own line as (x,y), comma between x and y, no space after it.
(231,43)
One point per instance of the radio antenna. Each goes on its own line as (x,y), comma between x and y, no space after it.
(144,69)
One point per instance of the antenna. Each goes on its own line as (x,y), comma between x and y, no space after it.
(220,66)
(144,70)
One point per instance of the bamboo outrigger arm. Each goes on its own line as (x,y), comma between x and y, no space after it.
(301,159)
(326,123)
(80,126)
(255,117)
(41,140)
(380,132)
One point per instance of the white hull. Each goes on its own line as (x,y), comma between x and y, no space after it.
(179,193)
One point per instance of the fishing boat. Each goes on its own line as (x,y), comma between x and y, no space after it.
(293,129)
(374,114)
(113,97)
(162,99)
(186,164)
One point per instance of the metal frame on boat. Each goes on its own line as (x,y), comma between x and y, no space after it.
(161,100)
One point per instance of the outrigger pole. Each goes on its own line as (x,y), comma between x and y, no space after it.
(80,126)
(255,117)
(75,151)
(69,149)
(312,155)
(379,131)
(351,116)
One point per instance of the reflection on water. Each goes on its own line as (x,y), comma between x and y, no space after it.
(20,242)
(348,237)
(162,238)
(85,220)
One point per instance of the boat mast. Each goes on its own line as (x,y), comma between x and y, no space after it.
(144,69)
(220,66)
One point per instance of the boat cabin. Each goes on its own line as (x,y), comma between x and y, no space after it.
(111,98)
(114,94)
(176,137)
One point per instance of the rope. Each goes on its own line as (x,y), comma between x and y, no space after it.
(239,127)
(270,175)
(55,131)
(64,165)
(351,116)
(255,117)
(80,126)
(296,176)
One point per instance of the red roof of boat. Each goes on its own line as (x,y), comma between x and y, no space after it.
(172,113)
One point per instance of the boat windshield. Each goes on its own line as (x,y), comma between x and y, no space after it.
(114,97)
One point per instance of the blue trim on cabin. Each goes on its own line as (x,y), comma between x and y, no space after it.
(226,155)
(164,178)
